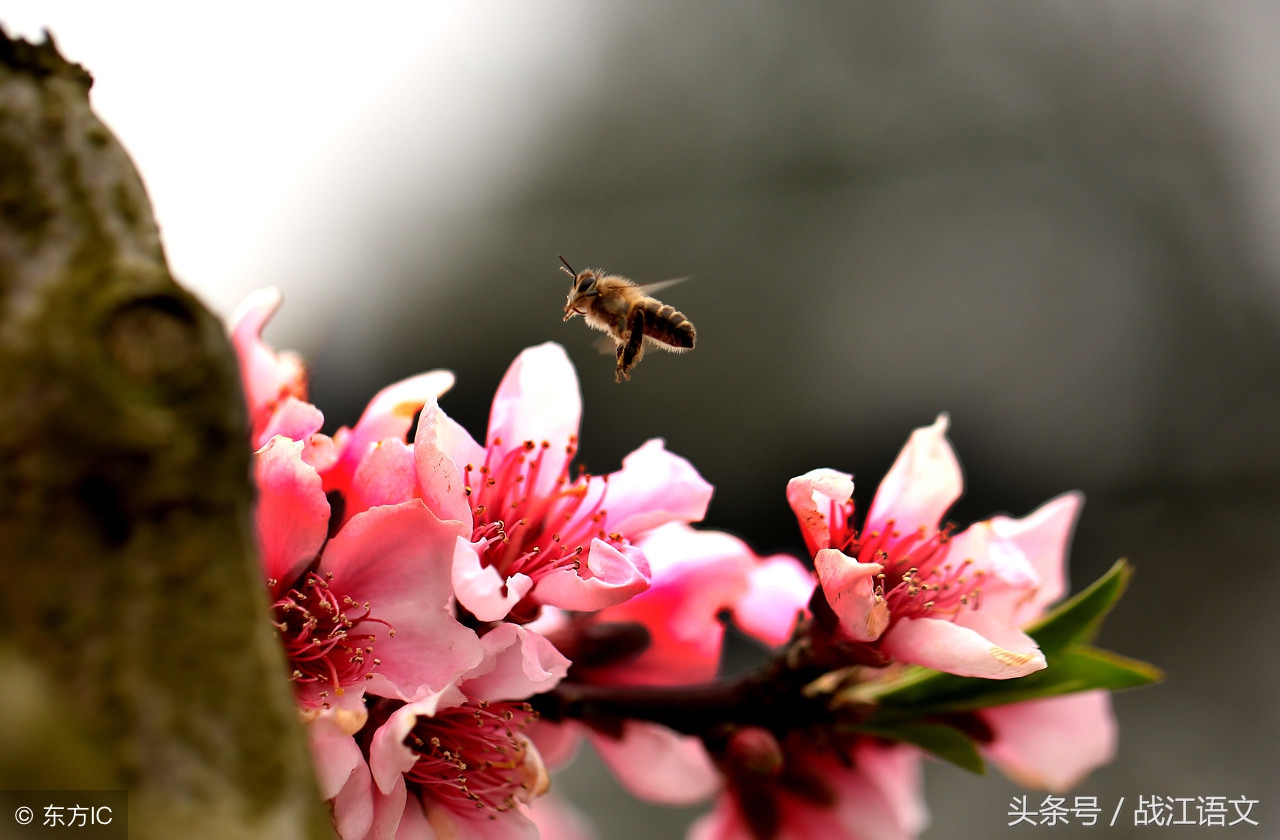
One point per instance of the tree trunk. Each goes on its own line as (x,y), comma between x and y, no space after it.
(135,650)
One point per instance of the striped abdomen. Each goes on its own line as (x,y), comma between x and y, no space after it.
(667,326)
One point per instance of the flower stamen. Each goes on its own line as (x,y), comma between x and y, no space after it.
(320,633)
(528,530)
(474,756)
(918,580)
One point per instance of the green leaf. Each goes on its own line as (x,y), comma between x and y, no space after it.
(943,741)
(1080,668)
(1078,619)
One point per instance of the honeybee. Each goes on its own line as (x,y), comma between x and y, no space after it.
(625,311)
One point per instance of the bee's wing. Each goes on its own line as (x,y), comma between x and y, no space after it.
(650,288)
(607,345)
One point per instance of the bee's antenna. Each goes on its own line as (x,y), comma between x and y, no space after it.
(567,267)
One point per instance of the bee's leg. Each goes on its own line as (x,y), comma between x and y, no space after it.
(620,373)
(630,351)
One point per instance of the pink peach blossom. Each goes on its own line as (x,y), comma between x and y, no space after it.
(455,762)
(373,464)
(374,611)
(871,792)
(965,617)
(275,383)
(543,537)
(275,386)
(905,586)
(668,635)
(695,576)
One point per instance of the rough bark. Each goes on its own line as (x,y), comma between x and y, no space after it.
(134,648)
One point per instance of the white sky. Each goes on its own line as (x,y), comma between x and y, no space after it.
(270,135)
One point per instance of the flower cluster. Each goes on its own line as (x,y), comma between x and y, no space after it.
(457,615)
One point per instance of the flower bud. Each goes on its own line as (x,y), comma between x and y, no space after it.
(753,751)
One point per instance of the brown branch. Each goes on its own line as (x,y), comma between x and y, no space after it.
(771,697)
(134,647)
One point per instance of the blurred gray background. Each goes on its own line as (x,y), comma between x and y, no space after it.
(1057,221)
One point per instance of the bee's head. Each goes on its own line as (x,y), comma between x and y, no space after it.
(582,285)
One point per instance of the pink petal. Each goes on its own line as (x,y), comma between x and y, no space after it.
(334,752)
(398,559)
(659,765)
(389,415)
(895,772)
(512,824)
(441,447)
(867,806)
(481,589)
(1024,560)
(608,577)
(1053,743)
(249,318)
(455,441)
(389,758)
(653,487)
(291,515)
(861,808)
(353,807)
(320,452)
(389,810)
(1009,580)
(696,575)
(516,665)
(850,589)
(921,485)
(549,622)
(780,590)
(799,820)
(979,648)
(1044,538)
(724,822)
(879,798)
(556,819)
(812,497)
(670,548)
(557,742)
(414,825)
(538,400)
(343,776)
(254,311)
(267,376)
(292,418)
(385,476)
